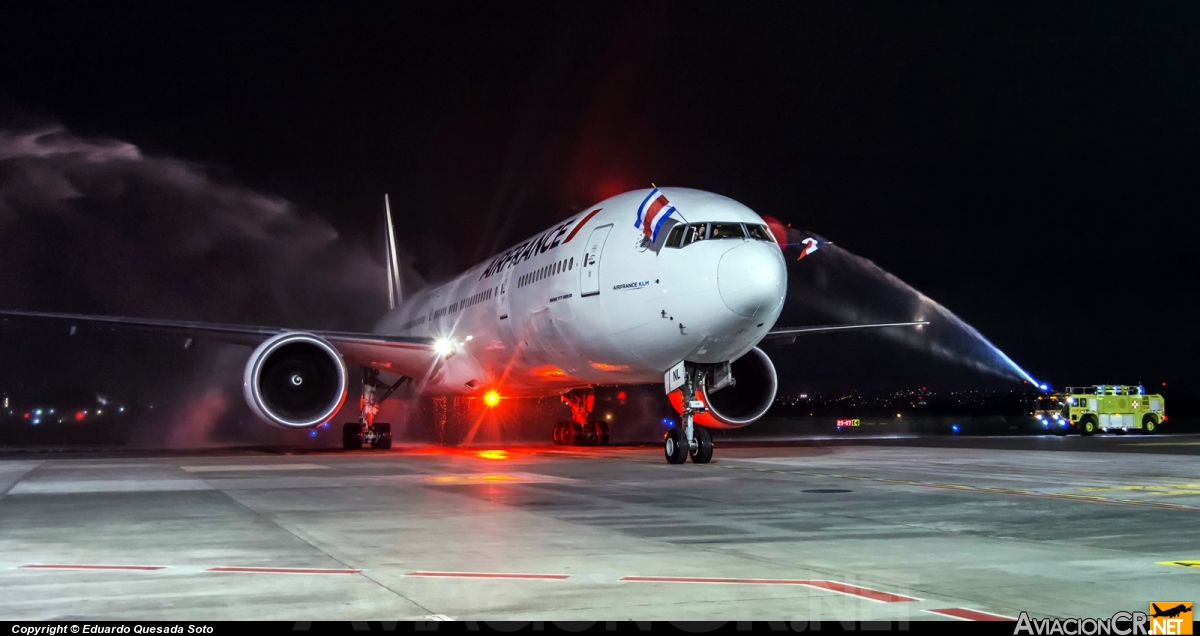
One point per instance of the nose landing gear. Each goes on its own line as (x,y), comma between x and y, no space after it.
(578,431)
(367,430)
(689,439)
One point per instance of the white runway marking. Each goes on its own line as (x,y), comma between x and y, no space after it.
(73,486)
(250,467)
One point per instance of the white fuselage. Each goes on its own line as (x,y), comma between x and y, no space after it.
(589,302)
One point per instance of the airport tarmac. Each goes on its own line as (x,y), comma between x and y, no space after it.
(895,529)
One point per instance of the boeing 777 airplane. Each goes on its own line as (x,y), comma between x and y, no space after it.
(667,285)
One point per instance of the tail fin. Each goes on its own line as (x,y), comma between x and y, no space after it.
(395,282)
(1157,611)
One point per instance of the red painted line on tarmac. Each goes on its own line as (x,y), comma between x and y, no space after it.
(491,575)
(245,570)
(864,592)
(832,586)
(970,614)
(81,566)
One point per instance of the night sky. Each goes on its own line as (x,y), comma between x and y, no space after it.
(1034,169)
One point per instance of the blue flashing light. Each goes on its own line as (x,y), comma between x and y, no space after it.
(956,428)
(667,421)
(325,425)
(36,421)
(1045,387)
(38,412)
(1045,424)
(1063,423)
(312,433)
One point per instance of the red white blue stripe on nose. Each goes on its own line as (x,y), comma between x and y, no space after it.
(653,213)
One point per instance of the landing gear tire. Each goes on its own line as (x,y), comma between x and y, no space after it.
(558,433)
(600,430)
(1149,426)
(1087,427)
(571,434)
(702,454)
(675,448)
(352,434)
(383,439)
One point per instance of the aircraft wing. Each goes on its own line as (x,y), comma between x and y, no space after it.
(409,356)
(792,332)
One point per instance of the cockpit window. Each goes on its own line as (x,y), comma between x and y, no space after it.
(759,232)
(684,235)
(695,232)
(726,230)
(675,238)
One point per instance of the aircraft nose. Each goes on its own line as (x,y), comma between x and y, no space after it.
(752,279)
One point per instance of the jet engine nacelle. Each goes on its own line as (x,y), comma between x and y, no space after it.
(295,380)
(745,401)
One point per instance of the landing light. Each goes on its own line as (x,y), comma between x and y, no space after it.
(493,454)
(443,347)
(491,398)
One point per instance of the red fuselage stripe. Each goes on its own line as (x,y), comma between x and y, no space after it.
(581,224)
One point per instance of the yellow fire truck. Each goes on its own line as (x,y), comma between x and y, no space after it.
(1110,408)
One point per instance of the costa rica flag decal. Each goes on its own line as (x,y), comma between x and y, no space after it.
(653,213)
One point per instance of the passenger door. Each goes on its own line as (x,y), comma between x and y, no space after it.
(589,274)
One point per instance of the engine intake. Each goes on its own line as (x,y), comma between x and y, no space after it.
(295,380)
(744,401)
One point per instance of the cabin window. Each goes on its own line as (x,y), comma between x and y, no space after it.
(571,264)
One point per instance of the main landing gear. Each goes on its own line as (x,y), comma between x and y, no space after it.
(690,439)
(367,430)
(578,431)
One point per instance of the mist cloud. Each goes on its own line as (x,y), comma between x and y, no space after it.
(98,226)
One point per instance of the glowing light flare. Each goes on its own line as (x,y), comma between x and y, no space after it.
(491,398)
(493,454)
(443,347)
(80,415)
(604,366)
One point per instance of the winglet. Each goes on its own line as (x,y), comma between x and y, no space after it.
(395,282)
